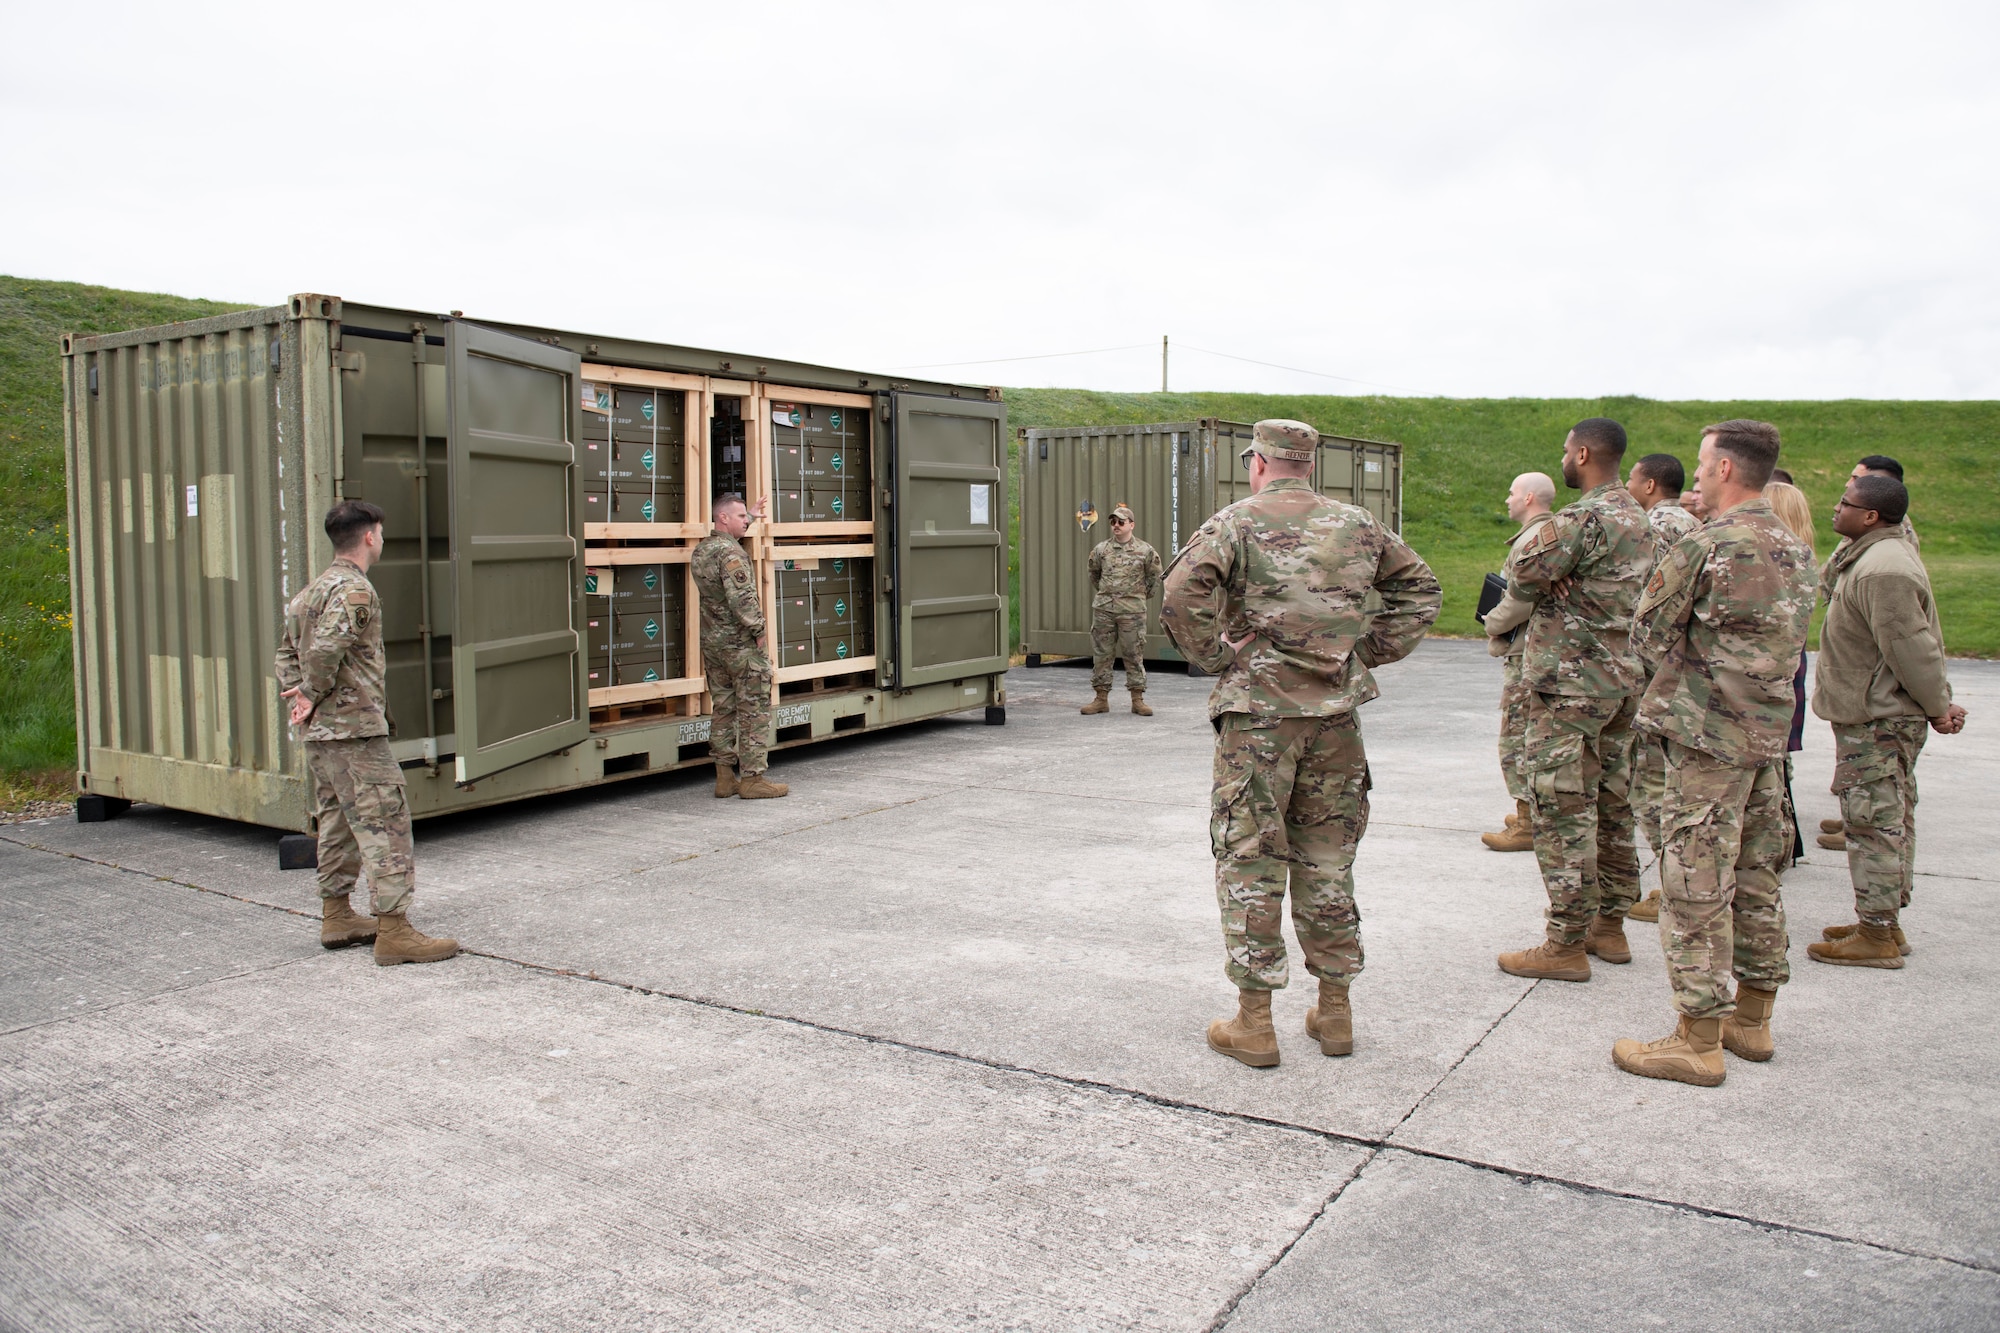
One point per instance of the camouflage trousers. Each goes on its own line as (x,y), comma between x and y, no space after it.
(1513,725)
(1720,910)
(1578,764)
(364,822)
(1117,634)
(1875,777)
(1649,786)
(739,690)
(1289,806)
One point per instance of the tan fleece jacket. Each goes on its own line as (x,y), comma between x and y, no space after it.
(1881,650)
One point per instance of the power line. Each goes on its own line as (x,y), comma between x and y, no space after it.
(996,360)
(1298,370)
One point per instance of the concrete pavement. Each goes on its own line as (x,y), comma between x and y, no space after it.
(920,1046)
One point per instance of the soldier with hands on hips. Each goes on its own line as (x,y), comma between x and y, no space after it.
(1125,574)
(330,668)
(733,656)
(1720,628)
(1269,597)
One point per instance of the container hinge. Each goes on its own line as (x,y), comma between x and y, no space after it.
(93,381)
(441,693)
(888,498)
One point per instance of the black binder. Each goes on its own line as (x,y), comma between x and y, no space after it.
(1490,593)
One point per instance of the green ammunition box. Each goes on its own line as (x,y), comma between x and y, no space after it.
(642,504)
(641,415)
(638,631)
(660,586)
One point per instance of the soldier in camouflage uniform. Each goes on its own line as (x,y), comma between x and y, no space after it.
(1269,598)
(1720,627)
(1880,680)
(330,666)
(1584,572)
(732,654)
(1656,483)
(1527,504)
(1124,575)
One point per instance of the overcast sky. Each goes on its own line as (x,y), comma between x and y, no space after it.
(1698,200)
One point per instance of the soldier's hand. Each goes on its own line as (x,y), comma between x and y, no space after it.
(1951,723)
(1560,589)
(757,510)
(302,707)
(1237,646)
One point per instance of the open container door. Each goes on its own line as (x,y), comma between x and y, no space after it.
(517,669)
(949,508)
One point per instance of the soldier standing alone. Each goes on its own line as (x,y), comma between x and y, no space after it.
(1269,597)
(1125,574)
(330,665)
(1656,483)
(732,655)
(1721,626)
(1584,572)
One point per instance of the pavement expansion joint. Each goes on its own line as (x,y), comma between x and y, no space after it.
(115,1005)
(1377,1144)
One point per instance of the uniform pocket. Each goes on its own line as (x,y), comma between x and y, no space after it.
(373,764)
(1555,769)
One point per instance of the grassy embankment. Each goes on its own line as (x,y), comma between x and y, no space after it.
(37,708)
(1460,457)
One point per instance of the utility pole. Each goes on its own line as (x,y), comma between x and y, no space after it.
(1163,363)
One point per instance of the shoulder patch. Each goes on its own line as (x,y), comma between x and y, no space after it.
(1541,539)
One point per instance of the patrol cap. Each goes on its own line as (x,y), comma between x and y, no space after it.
(1294,441)
(1123,512)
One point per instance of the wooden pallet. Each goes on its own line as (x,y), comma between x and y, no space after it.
(829,684)
(638,710)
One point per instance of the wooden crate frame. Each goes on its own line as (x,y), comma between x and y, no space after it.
(694,452)
(692,688)
(770,393)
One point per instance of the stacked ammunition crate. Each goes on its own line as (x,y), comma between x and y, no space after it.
(818,547)
(656,447)
(644,499)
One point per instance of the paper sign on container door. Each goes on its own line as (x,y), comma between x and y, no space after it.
(980,503)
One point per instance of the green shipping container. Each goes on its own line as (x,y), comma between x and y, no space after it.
(1174,475)
(202,457)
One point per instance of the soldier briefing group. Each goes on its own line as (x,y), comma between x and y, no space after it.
(1652,640)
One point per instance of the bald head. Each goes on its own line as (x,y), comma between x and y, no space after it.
(1533,493)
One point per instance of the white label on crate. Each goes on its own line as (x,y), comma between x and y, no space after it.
(782,415)
(981,504)
(1372,465)
(194,501)
(694,732)
(792,715)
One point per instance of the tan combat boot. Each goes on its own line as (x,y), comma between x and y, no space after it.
(1646,909)
(757,787)
(1606,939)
(1517,834)
(1833,826)
(1331,1021)
(1869,946)
(340,925)
(1833,842)
(1549,960)
(1842,932)
(725,780)
(1693,1054)
(1249,1036)
(1101,704)
(1747,1032)
(397,941)
(1139,705)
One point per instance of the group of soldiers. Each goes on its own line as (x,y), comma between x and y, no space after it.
(1653,649)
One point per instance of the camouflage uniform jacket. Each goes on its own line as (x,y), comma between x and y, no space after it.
(731,610)
(1124,576)
(1581,644)
(1294,569)
(1721,626)
(332,650)
(1670,523)
(1881,648)
(1513,612)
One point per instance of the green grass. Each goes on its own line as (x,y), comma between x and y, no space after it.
(37,706)
(1460,456)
